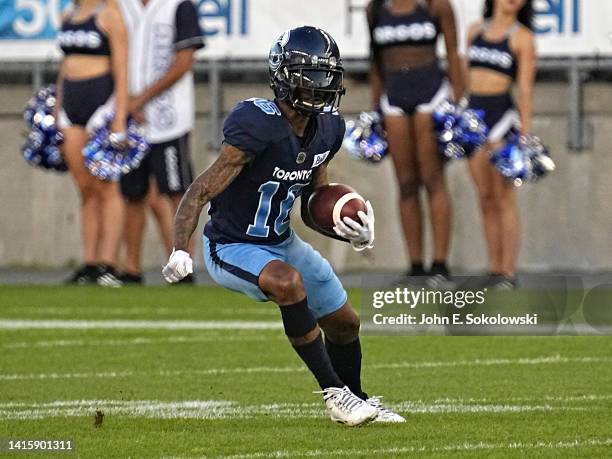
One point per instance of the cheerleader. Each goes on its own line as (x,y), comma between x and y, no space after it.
(93,75)
(501,51)
(407,85)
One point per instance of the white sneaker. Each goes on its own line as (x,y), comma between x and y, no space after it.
(384,414)
(345,407)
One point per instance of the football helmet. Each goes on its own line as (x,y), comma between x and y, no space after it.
(306,70)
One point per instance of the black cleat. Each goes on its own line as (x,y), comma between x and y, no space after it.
(439,277)
(130,279)
(502,283)
(108,277)
(86,275)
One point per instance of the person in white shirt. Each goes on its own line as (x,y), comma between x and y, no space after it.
(164,35)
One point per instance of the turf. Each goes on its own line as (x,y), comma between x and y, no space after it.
(243,392)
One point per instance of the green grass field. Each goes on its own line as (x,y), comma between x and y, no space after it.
(202,372)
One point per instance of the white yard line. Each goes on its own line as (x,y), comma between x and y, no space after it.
(544,360)
(545,398)
(551,359)
(518,446)
(83,324)
(223,409)
(41,376)
(416,407)
(27,324)
(135,341)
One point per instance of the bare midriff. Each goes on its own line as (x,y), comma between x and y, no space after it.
(487,82)
(83,67)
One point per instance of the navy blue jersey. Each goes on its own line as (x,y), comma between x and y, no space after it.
(256,206)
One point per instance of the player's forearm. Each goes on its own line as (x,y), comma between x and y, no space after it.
(206,187)
(188,214)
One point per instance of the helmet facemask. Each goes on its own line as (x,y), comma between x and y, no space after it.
(308,78)
(315,90)
(310,89)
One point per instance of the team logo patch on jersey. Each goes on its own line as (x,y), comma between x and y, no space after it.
(319,159)
(301,157)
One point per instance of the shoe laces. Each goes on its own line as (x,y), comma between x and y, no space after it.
(376,402)
(383,411)
(343,397)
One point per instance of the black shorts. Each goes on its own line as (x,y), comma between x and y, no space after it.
(81,99)
(410,91)
(500,114)
(170,164)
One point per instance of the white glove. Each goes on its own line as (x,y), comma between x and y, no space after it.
(360,235)
(179,266)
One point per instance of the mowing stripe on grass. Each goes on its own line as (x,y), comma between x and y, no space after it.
(545,360)
(223,409)
(27,324)
(561,444)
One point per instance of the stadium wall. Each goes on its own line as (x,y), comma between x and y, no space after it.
(567,217)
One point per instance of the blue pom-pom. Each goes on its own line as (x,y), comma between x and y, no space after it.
(365,137)
(41,147)
(107,157)
(523,159)
(460,131)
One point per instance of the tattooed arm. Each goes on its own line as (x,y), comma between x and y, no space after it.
(209,184)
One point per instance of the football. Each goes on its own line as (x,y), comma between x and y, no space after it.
(332,202)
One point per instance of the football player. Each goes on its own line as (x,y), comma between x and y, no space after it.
(273,152)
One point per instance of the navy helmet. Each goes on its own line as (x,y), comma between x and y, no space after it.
(306,70)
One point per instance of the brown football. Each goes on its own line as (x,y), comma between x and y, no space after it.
(334,201)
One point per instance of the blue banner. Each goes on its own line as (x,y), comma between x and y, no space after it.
(245,28)
(30,19)
(561,16)
(40,19)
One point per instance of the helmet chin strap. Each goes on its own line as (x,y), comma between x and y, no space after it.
(294,106)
